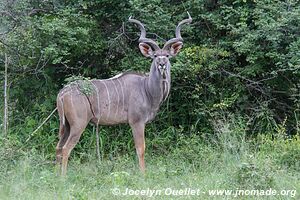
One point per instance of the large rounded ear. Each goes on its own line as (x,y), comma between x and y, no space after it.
(146,49)
(175,48)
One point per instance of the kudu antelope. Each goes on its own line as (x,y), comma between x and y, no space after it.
(126,98)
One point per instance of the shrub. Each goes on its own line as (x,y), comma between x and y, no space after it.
(250,175)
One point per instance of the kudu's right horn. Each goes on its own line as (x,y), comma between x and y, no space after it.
(143,38)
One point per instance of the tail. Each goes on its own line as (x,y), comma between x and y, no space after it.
(64,126)
(60,109)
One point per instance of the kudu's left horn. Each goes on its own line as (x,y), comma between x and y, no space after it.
(178,37)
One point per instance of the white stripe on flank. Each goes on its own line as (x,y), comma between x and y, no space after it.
(118,98)
(86,106)
(98,100)
(122,92)
(108,96)
(71,96)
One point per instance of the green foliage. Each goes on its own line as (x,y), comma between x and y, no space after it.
(69,35)
(83,83)
(284,151)
(251,176)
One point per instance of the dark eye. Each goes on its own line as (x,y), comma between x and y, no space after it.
(167,56)
(155,55)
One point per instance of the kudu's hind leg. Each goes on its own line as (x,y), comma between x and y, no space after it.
(64,132)
(75,133)
(139,141)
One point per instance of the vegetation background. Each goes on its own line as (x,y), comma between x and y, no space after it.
(232,119)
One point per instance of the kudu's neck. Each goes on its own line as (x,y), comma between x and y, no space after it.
(158,87)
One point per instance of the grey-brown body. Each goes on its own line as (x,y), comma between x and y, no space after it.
(126,98)
(109,102)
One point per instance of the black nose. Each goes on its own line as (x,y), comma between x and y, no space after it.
(162,66)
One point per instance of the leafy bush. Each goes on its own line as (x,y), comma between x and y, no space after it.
(285,151)
(251,176)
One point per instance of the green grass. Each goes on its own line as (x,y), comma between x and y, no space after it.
(192,164)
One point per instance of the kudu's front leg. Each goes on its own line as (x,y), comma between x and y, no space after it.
(139,141)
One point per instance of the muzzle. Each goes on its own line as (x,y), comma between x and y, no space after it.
(163,71)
